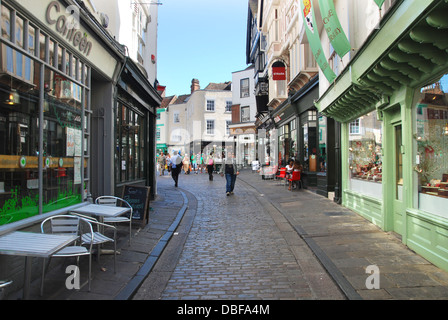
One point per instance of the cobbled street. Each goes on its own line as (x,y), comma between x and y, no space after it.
(239,247)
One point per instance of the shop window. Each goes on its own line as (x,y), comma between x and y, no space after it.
(130,144)
(365,157)
(62,138)
(431,138)
(322,144)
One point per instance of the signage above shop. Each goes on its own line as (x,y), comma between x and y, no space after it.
(67,24)
(278,71)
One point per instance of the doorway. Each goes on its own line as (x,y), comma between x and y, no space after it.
(393,192)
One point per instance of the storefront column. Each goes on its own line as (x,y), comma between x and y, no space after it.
(103,140)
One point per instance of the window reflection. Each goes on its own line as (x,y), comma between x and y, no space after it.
(432,139)
(365,143)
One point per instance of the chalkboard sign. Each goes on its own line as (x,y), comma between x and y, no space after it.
(138,198)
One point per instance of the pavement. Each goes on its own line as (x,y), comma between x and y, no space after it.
(263,242)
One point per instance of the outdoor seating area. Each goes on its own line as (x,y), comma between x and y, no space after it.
(81,232)
(293,179)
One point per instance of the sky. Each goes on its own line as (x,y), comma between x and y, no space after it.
(200,39)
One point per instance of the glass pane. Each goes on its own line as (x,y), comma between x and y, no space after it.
(19,134)
(6,23)
(365,155)
(62,143)
(398,163)
(43,41)
(432,143)
(19,32)
(51,53)
(322,144)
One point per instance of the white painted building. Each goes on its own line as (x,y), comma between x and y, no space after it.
(198,122)
(244,110)
(133,23)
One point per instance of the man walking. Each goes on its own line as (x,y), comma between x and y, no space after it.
(231,170)
(176,167)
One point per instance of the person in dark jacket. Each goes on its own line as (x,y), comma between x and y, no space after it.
(231,169)
(176,167)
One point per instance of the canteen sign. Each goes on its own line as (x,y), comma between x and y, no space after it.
(67,24)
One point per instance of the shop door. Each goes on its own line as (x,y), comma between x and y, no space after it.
(398,225)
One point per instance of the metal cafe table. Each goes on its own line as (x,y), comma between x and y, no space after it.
(101,210)
(31,244)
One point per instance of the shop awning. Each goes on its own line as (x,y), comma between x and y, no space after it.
(410,48)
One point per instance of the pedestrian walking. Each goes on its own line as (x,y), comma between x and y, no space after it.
(210,166)
(176,167)
(231,169)
(203,166)
(193,162)
(162,163)
(186,164)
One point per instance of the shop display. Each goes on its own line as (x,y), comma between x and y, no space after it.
(365,149)
(432,140)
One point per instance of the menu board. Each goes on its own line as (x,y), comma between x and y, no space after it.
(138,198)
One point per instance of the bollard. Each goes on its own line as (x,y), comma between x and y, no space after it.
(3,285)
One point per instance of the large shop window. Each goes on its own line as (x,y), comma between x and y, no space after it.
(365,159)
(130,135)
(20,137)
(19,133)
(431,138)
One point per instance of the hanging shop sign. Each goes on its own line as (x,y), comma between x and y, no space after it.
(333,28)
(278,71)
(68,26)
(312,34)
(379,3)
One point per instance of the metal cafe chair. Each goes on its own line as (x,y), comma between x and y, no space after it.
(68,224)
(118,202)
(3,285)
(98,237)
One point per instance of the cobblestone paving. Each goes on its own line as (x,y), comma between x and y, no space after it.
(235,250)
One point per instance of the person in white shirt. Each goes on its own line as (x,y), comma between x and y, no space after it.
(176,167)
(289,169)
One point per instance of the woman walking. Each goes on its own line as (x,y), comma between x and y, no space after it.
(210,166)
(186,164)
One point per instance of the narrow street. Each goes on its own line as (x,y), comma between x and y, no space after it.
(243,247)
(239,247)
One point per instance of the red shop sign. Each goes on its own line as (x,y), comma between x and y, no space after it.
(278,71)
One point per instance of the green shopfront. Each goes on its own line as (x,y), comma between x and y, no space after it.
(392,102)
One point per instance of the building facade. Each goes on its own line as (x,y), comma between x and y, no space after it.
(76,115)
(389,95)
(244,109)
(199,122)
(286,85)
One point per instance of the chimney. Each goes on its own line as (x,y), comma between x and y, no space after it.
(195,85)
